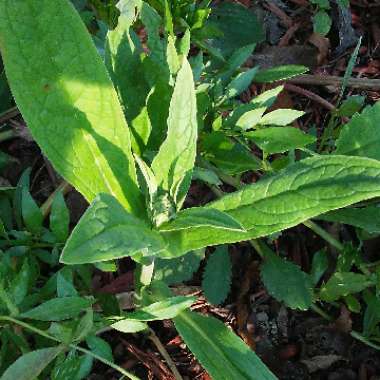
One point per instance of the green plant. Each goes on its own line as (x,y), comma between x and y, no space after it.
(137,178)
(322,20)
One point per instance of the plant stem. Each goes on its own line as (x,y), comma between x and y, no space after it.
(324,235)
(321,312)
(73,346)
(154,338)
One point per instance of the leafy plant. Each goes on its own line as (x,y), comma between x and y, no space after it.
(137,178)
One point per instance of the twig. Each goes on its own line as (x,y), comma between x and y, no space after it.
(286,20)
(5,116)
(324,235)
(154,338)
(311,95)
(46,207)
(331,80)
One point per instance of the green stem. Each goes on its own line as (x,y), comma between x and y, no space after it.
(73,346)
(321,312)
(324,235)
(364,340)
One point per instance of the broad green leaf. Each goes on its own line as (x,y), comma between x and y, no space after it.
(361,136)
(174,161)
(240,83)
(64,93)
(286,282)
(280,140)
(281,117)
(31,213)
(196,217)
(217,276)
(100,347)
(59,218)
(178,269)
(322,23)
(58,309)
(239,27)
(278,73)
(343,283)
(129,326)
(304,190)
(165,309)
(222,353)
(30,365)
(367,218)
(107,231)
(123,58)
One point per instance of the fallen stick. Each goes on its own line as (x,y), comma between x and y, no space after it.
(331,80)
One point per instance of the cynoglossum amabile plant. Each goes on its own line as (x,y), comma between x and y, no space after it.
(65,94)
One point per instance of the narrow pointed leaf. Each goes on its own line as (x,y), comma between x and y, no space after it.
(174,162)
(222,353)
(64,93)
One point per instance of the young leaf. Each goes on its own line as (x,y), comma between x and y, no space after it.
(129,326)
(278,73)
(343,283)
(59,218)
(107,231)
(213,343)
(286,282)
(251,118)
(367,218)
(299,192)
(322,23)
(281,117)
(30,365)
(165,309)
(31,213)
(58,309)
(217,276)
(80,127)
(361,136)
(280,140)
(174,161)
(200,217)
